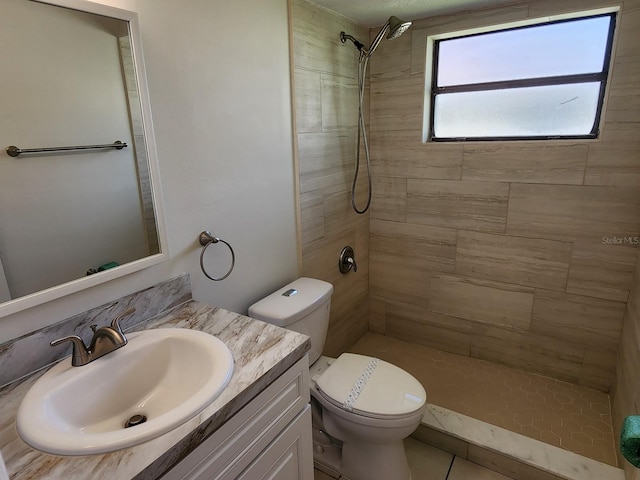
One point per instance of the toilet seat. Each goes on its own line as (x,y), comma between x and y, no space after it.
(370,387)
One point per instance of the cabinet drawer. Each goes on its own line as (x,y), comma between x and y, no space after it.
(231,448)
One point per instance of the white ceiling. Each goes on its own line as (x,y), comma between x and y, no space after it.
(375,12)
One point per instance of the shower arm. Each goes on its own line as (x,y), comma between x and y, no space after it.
(367,52)
(360,46)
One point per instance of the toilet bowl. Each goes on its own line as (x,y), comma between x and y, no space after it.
(366,406)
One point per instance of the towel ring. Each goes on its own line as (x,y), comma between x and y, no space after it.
(206,239)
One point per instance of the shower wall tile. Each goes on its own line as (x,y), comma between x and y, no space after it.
(326,104)
(392,104)
(458,204)
(598,369)
(316,41)
(377,315)
(312,217)
(327,156)
(419,325)
(418,160)
(482,301)
(523,261)
(535,353)
(573,213)
(620,134)
(623,106)
(309,115)
(625,397)
(562,164)
(577,319)
(389,201)
(338,98)
(338,216)
(612,165)
(602,270)
(424,246)
(349,302)
(391,60)
(399,281)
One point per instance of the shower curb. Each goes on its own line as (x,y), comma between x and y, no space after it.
(506,452)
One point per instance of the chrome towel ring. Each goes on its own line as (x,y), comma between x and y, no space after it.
(206,239)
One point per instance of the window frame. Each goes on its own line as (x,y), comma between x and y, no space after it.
(431,75)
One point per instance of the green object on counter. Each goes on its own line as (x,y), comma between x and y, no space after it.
(630,440)
(107,266)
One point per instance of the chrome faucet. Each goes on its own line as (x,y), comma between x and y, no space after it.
(105,340)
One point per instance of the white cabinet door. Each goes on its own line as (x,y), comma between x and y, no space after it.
(290,455)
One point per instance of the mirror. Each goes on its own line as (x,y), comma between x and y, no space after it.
(70,219)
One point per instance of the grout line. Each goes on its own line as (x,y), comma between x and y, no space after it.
(453,459)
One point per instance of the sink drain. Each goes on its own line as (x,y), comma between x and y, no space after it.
(135,420)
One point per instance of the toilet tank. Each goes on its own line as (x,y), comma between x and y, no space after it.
(302,306)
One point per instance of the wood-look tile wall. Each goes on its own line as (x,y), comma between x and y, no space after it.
(625,396)
(326,108)
(498,250)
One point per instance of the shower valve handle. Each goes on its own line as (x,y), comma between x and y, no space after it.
(347,260)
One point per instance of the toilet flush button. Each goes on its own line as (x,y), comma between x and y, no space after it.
(314,378)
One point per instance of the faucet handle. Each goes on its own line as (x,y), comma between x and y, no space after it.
(115,324)
(347,260)
(80,354)
(352,262)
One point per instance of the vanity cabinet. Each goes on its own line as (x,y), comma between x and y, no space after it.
(270,438)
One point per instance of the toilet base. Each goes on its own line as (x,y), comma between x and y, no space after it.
(357,461)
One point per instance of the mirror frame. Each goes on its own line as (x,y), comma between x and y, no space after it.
(62,290)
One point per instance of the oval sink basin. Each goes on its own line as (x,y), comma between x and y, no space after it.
(166,375)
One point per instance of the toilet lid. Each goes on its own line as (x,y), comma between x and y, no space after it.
(371,386)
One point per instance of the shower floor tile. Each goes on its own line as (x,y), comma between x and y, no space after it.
(568,416)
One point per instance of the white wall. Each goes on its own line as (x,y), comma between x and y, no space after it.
(218,75)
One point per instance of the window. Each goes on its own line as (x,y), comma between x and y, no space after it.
(539,81)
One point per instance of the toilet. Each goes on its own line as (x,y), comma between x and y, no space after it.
(364,407)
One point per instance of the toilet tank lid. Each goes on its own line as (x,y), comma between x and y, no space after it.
(292,302)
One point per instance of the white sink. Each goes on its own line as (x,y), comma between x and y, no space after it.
(168,375)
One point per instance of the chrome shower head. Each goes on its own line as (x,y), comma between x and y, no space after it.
(393,29)
(397,27)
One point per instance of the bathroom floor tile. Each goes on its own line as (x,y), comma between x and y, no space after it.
(427,462)
(465,470)
(568,416)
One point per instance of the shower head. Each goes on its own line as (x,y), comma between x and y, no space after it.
(393,29)
(396,27)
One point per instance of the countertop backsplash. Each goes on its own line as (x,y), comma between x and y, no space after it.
(31,352)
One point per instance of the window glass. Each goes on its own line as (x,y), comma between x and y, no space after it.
(553,110)
(539,81)
(541,51)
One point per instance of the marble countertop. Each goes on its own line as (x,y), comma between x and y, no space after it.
(261,353)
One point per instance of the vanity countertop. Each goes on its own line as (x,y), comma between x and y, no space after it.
(261,353)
